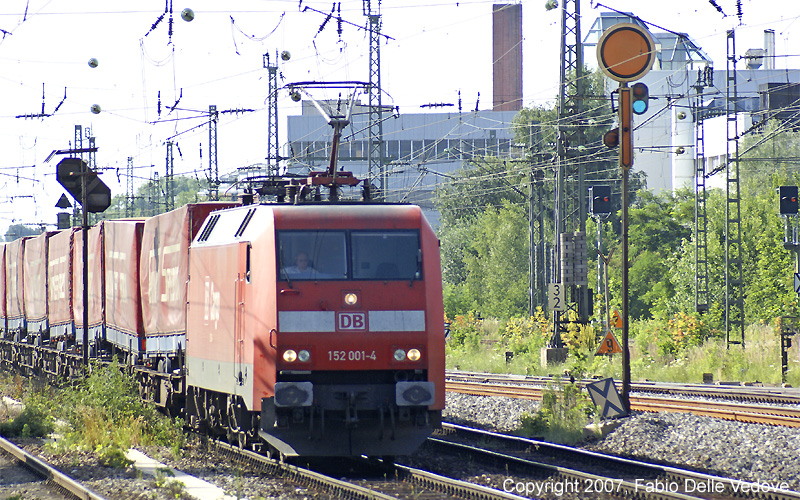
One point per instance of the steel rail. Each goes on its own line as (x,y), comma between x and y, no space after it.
(725,390)
(345,489)
(44,470)
(719,486)
(300,475)
(772,415)
(619,488)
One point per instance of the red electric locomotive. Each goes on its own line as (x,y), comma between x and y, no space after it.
(317,328)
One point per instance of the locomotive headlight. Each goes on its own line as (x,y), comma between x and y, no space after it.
(350,299)
(289,355)
(303,356)
(400,355)
(414,355)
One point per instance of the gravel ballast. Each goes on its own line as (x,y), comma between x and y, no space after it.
(749,452)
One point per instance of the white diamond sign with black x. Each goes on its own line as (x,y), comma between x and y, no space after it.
(605,396)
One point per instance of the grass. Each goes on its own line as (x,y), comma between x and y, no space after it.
(758,362)
(565,410)
(102,414)
(562,416)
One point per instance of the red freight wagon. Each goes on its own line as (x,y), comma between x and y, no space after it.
(123,244)
(15,286)
(35,262)
(322,324)
(59,284)
(3,324)
(163,276)
(96,281)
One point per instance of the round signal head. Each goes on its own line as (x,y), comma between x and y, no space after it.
(625,52)
(611,138)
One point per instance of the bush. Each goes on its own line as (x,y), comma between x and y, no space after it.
(465,331)
(527,334)
(104,413)
(564,412)
(34,421)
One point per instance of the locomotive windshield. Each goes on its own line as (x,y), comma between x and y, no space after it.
(371,255)
(312,255)
(385,255)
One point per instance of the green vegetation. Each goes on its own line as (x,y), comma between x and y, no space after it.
(166,479)
(34,421)
(678,350)
(564,413)
(103,414)
(485,248)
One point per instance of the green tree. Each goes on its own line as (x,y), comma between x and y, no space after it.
(497,255)
(16,231)
(150,197)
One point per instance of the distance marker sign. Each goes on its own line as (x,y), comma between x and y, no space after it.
(609,345)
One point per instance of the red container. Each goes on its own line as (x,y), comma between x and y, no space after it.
(59,284)
(95,280)
(123,245)
(15,288)
(35,272)
(3,324)
(164,272)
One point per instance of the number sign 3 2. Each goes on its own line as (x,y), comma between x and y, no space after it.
(557,297)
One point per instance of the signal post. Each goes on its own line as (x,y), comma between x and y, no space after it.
(626,52)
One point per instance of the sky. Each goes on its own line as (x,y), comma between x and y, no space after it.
(153,85)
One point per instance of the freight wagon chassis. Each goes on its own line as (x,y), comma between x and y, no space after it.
(219,414)
(165,390)
(57,364)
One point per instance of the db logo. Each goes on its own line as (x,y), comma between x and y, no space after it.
(351,321)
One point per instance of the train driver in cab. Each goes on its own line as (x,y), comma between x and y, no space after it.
(302,267)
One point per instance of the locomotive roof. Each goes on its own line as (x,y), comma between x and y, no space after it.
(248,222)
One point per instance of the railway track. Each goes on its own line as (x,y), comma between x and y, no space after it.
(30,477)
(737,411)
(735,391)
(546,470)
(363,479)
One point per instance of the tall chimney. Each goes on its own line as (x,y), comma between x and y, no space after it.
(507,57)
(769,47)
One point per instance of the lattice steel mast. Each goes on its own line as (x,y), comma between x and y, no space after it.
(213,169)
(376,164)
(734,282)
(701,296)
(169,195)
(569,216)
(129,206)
(273,158)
